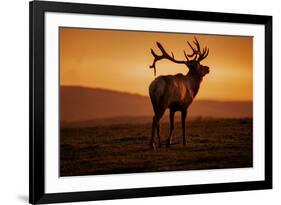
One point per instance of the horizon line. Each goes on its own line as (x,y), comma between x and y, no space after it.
(141,95)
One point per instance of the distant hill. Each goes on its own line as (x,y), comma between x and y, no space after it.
(79,104)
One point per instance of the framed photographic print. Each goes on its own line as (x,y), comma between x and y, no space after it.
(141,102)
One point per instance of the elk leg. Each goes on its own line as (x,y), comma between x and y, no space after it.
(169,140)
(152,144)
(183,118)
(158,130)
(157,123)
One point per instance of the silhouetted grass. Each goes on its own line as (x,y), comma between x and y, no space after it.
(124,148)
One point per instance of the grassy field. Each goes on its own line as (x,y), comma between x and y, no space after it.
(124,148)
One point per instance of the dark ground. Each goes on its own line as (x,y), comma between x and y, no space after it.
(124,148)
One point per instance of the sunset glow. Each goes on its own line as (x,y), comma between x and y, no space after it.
(119,60)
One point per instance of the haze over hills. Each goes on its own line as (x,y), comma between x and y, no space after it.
(78,104)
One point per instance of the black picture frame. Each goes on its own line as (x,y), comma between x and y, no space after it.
(37,9)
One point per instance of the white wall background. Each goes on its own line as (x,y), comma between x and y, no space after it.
(14,100)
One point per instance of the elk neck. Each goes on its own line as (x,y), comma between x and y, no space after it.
(195,80)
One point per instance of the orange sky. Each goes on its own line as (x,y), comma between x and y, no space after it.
(119,60)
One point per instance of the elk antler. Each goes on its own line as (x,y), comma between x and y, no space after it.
(202,55)
(196,52)
(165,55)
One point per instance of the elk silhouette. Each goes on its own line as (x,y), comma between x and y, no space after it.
(176,92)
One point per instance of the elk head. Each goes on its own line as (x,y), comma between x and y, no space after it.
(193,64)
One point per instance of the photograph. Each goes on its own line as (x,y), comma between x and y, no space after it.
(143,101)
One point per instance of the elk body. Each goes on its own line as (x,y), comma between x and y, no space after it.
(176,92)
